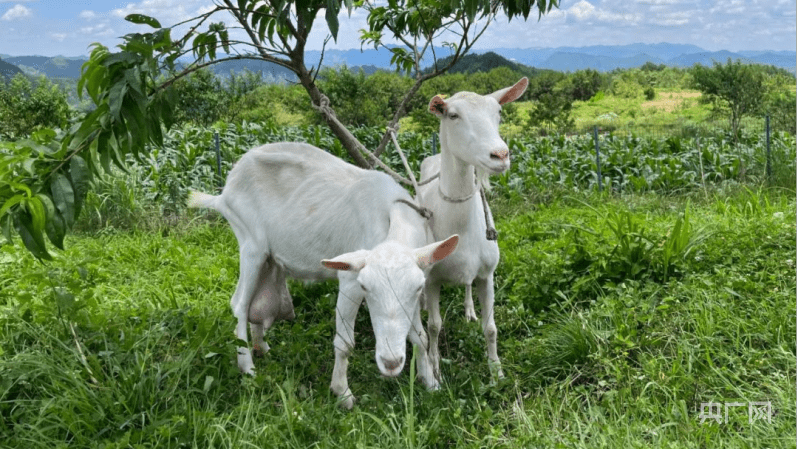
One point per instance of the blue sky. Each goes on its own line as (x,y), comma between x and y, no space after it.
(67,27)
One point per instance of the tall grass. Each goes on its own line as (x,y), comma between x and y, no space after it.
(125,340)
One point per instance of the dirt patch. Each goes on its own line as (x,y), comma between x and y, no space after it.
(670,101)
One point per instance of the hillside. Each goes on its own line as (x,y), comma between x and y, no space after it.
(485,62)
(55,67)
(8,70)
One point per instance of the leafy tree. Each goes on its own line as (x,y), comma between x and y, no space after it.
(553,109)
(738,86)
(363,100)
(584,84)
(627,85)
(41,184)
(201,98)
(26,106)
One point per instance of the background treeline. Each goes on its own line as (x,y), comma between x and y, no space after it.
(550,105)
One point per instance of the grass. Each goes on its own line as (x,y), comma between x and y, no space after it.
(125,340)
(671,113)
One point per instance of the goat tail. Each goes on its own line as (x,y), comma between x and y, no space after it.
(201,200)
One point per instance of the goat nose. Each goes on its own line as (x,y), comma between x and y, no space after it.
(500,154)
(391,365)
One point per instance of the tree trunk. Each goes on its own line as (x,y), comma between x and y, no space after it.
(349,141)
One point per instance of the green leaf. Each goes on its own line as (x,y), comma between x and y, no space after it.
(81,177)
(37,212)
(55,227)
(141,19)
(63,197)
(6,227)
(31,238)
(115,98)
(13,201)
(332,18)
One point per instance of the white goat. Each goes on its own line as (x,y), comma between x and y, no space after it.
(470,140)
(290,206)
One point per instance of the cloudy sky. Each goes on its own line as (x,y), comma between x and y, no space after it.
(67,27)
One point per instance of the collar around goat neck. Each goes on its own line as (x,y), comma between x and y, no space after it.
(457,200)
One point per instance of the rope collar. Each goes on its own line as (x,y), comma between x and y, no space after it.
(423,211)
(456,200)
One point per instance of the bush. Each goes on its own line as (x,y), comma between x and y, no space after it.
(26,106)
(361,100)
(201,98)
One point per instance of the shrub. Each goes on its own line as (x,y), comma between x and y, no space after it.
(26,106)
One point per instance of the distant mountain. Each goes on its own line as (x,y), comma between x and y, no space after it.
(55,67)
(268,69)
(603,58)
(606,54)
(8,70)
(706,58)
(599,57)
(483,62)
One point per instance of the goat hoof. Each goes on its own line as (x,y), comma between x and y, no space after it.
(258,352)
(347,400)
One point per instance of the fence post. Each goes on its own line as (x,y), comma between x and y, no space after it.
(769,169)
(598,158)
(218,158)
(434,143)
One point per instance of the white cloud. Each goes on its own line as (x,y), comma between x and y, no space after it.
(17,12)
(585,11)
(673,19)
(582,10)
(88,15)
(99,30)
(58,36)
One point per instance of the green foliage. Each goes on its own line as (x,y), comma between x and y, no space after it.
(552,109)
(201,98)
(124,341)
(26,106)
(585,84)
(361,100)
(626,87)
(738,86)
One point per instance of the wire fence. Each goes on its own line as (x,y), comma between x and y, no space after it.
(681,129)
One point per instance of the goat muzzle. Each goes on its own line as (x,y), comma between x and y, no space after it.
(500,155)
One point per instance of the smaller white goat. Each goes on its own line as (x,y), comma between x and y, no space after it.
(299,211)
(471,149)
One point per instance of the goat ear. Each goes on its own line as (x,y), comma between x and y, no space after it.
(354,261)
(512,93)
(436,252)
(437,106)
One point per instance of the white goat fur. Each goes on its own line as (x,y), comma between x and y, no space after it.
(290,206)
(471,149)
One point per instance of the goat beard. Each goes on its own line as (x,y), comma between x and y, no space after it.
(483,178)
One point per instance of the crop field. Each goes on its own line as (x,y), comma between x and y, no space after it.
(660,312)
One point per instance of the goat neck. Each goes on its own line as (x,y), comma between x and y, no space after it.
(457,176)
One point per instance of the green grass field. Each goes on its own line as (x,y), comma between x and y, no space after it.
(618,317)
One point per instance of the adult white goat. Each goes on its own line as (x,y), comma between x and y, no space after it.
(290,206)
(470,140)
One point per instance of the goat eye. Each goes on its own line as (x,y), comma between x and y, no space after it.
(454,116)
(364,288)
